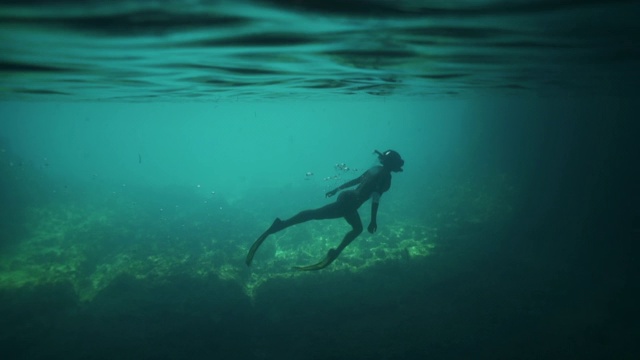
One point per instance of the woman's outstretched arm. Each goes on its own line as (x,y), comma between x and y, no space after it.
(348,184)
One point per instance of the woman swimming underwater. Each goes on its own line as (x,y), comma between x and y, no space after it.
(371,184)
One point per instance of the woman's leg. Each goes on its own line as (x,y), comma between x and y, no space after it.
(356,229)
(329,211)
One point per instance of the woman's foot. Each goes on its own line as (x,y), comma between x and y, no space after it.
(276,226)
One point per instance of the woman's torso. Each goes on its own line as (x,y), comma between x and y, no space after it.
(376,179)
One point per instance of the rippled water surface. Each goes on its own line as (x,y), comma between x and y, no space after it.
(208,50)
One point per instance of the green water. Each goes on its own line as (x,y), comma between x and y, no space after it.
(144,146)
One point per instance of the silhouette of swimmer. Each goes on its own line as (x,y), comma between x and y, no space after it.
(372,184)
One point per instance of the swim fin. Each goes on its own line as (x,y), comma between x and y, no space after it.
(331,255)
(275,227)
(255,247)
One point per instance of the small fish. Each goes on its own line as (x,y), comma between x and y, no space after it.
(139,159)
(342,166)
(309,173)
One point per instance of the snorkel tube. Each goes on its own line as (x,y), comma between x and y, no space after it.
(390,159)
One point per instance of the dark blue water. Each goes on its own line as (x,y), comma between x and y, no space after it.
(217,50)
(144,146)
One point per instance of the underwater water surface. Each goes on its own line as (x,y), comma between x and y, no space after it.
(145,145)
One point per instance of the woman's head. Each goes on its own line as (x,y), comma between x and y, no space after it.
(391,160)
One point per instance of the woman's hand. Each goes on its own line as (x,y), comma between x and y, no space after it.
(373,226)
(331,193)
